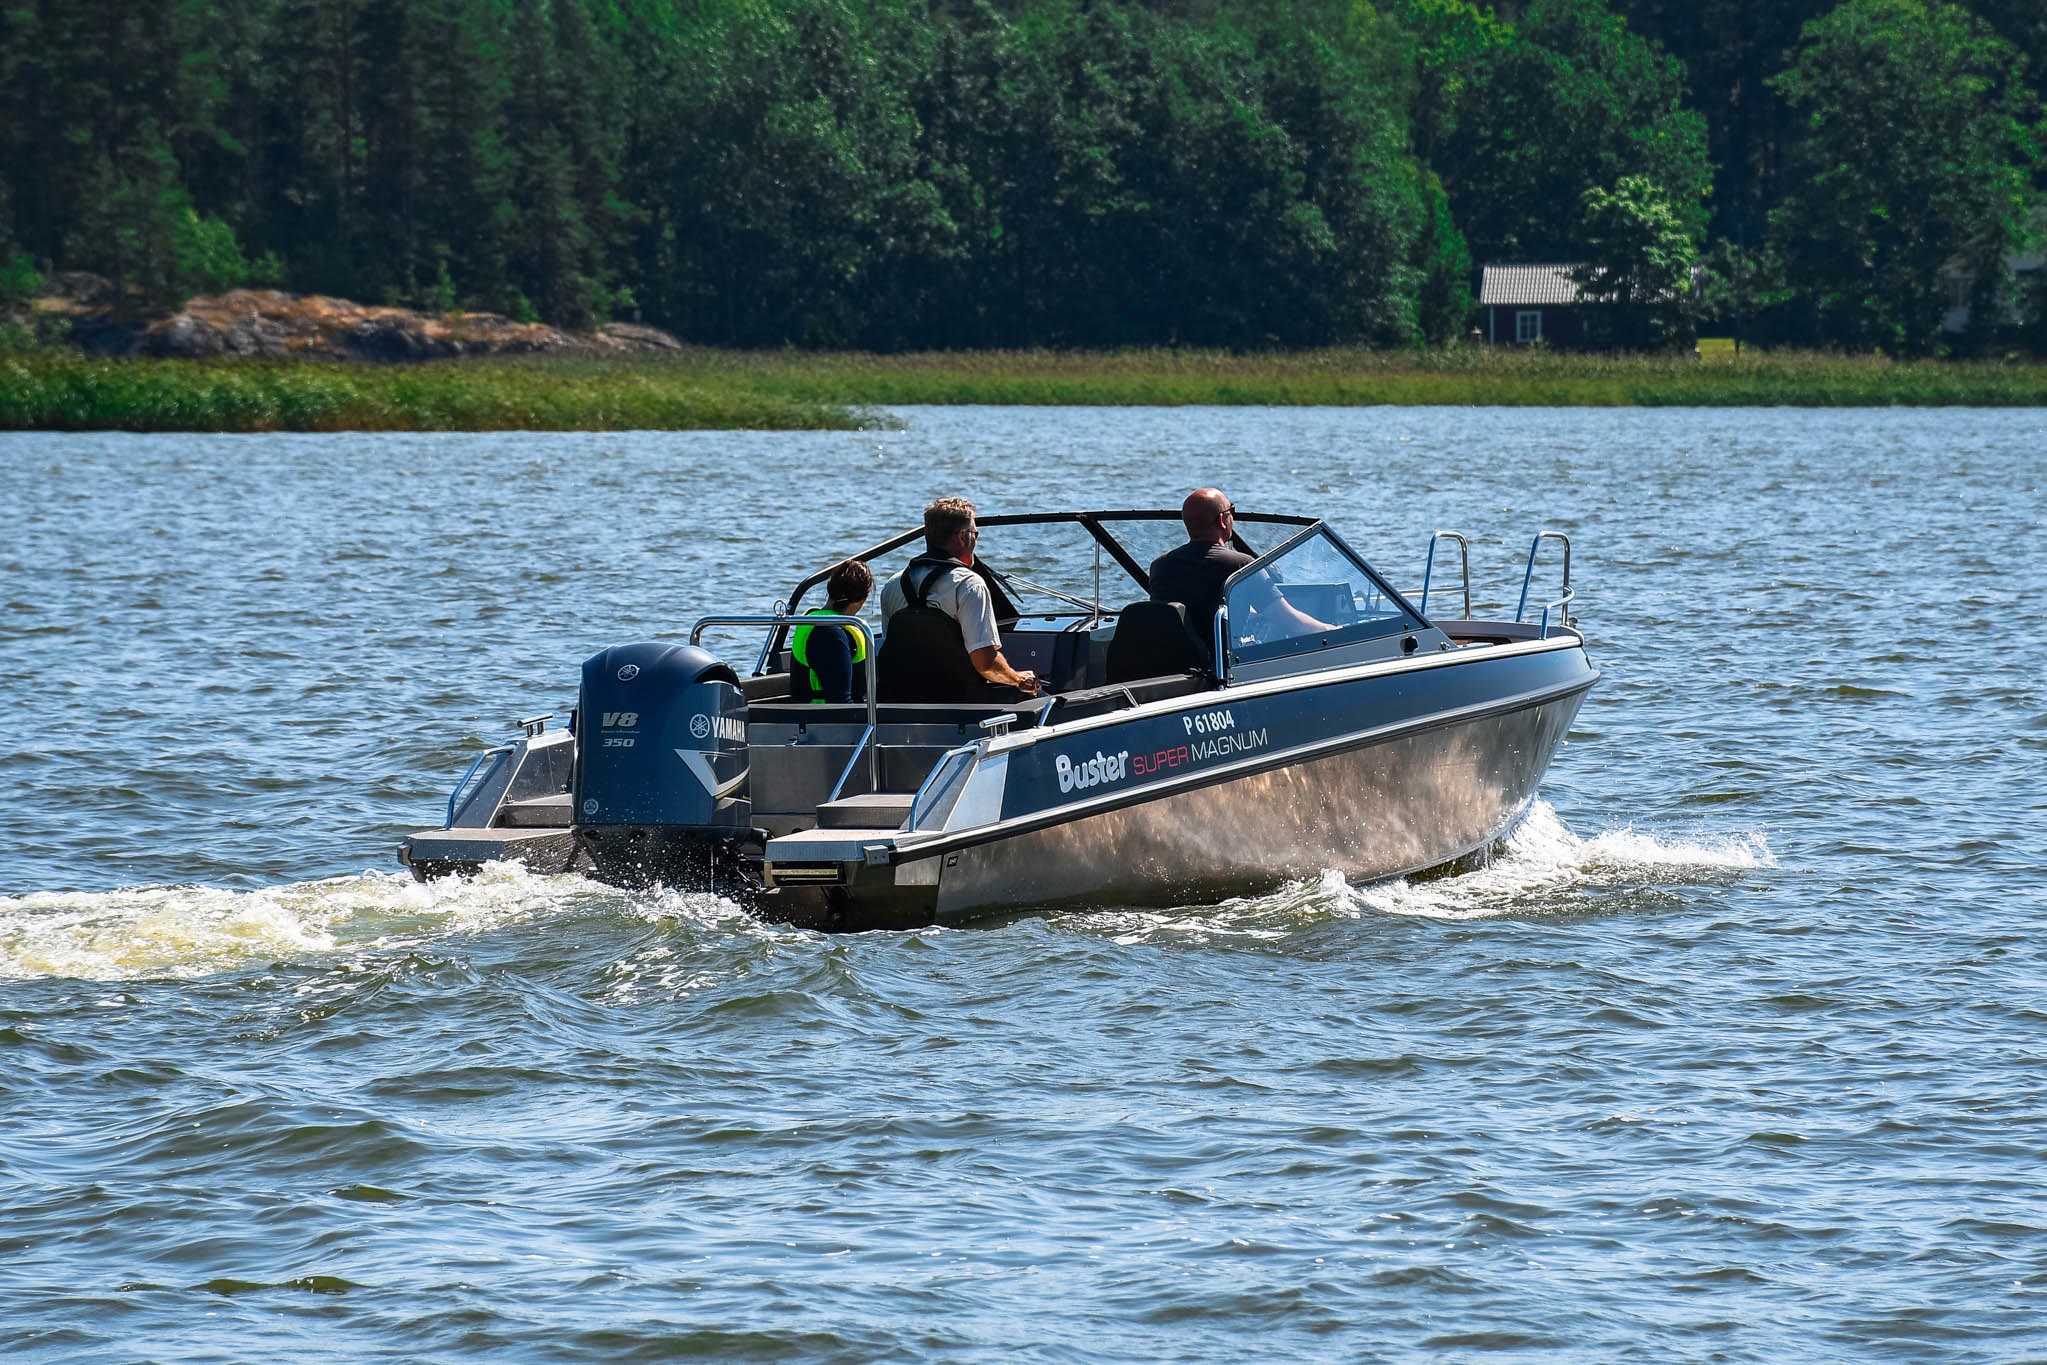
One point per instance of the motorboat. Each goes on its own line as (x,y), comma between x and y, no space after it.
(1321,720)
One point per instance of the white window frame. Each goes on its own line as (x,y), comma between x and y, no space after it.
(1524,332)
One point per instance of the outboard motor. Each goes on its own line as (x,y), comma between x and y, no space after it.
(661,765)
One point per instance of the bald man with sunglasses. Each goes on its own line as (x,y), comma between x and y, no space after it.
(1194,574)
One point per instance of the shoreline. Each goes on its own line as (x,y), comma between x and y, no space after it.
(803,390)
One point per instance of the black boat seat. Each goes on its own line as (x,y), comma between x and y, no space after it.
(922,659)
(1151,640)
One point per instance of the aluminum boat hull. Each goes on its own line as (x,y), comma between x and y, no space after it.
(1374,775)
(1393,807)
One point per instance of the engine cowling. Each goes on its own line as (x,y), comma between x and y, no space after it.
(661,743)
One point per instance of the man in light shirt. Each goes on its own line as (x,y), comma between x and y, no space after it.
(943,577)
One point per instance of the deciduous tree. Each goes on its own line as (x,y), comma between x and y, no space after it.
(1916,159)
(1642,253)
(1572,100)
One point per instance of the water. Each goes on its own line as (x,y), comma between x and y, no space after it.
(1734,1051)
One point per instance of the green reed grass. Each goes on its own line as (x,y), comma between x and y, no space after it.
(1358,377)
(797,390)
(69,393)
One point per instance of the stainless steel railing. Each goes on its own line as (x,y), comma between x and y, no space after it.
(780,619)
(1560,605)
(462,782)
(1429,568)
(940,770)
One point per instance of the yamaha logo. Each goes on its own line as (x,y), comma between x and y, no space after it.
(730,728)
(589,805)
(629,672)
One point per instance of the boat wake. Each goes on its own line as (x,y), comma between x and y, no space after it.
(1543,867)
(181,932)
(1540,868)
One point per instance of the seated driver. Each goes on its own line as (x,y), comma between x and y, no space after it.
(943,576)
(1193,576)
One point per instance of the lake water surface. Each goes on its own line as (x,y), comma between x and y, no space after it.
(1734,1052)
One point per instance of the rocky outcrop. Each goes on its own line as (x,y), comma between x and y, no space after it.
(271,325)
(268,324)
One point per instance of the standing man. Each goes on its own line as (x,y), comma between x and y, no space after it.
(943,577)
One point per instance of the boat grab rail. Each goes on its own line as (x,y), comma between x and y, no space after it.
(782,618)
(455,797)
(1429,568)
(1560,605)
(866,737)
(996,726)
(931,779)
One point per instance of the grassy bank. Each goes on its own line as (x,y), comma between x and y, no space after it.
(66,393)
(797,390)
(1358,378)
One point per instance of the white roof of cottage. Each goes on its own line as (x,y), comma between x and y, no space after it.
(1527,286)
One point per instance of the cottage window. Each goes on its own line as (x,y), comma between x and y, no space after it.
(1959,287)
(1528,326)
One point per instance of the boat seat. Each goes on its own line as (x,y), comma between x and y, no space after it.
(768,685)
(922,659)
(1152,639)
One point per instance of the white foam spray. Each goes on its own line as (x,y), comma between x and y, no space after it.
(1543,868)
(1543,862)
(186,931)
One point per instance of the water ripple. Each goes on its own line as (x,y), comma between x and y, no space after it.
(1728,1051)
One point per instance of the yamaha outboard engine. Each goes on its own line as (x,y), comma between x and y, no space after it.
(661,766)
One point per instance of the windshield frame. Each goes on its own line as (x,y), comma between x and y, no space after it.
(1228,665)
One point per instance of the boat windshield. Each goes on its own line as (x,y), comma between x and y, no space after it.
(1309,595)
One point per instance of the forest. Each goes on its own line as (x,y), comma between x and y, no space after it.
(954,174)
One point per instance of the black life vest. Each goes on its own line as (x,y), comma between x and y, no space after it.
(917,587)
(924,656)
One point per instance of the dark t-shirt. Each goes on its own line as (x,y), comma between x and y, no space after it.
(1193,576)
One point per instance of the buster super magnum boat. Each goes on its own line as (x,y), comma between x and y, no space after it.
(1167,761)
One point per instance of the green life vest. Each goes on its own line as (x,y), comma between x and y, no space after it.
(799,650)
